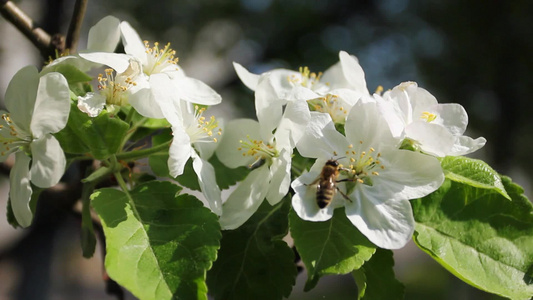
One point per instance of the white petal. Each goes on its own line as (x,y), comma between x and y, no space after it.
(354,74)
(268,108)
(52,105)
(279,82)
(421,100)
(280,177)
(301,93)
(144,102)
(234,132)
(104,36)
(347,97)
(366,126)
(393,115)
(118,61)
(245,199)
(292,125)
(321,139)
(20,96)
(196,91)
(20,190)
(206,150)
(179,152)
(407,175)
(464,145)
(433,139)
(453,116)
(304,200)
(250,80)
(208,184)
(164,94)
(401,100)
(91,104)
(133,44)
(334,77)
(388,225)
(48,162)
(76,61)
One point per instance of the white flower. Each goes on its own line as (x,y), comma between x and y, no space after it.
(242,146)
(379,179)
(37,107)
(334,92)
(437,129)
(115,89)
(159,70)
(192,133)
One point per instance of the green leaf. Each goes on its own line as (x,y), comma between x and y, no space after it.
(189,178)
(72,74)
(253,261)
(159,244)
(376,280)
(225,176)
(156,123)
(479,236)
(473,172)
(102,135)
(331,247)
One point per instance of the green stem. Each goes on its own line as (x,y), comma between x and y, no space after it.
(122,183)
(133,127)
(125,189)
(138,154)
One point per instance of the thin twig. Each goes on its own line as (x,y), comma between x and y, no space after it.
(73,34)
(24,24)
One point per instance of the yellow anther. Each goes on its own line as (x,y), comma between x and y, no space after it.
(429,117)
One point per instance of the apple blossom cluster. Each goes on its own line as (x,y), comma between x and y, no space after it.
(387,144)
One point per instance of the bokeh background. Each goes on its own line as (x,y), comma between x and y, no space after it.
(476,53)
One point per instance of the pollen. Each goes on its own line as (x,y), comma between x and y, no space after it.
(306,79)
(114,86)
(159,59)
(201,129)
(428,117)
(363,166)
(332,105)
(259,150)
(12,137)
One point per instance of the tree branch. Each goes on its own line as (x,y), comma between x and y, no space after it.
(73,34)
(40,38)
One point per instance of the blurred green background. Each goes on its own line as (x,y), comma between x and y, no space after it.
(476,53)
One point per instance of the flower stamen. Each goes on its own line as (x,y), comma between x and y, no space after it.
(201,130)
(331,105)
(159,59)
(114,86)
(428,117)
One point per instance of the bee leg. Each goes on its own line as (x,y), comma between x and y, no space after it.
(343,194)
(313,183)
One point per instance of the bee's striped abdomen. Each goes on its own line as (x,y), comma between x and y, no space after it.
(324,194)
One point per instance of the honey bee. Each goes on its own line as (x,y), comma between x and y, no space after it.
(326,183)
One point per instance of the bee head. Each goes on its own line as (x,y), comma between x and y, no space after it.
(332,162)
